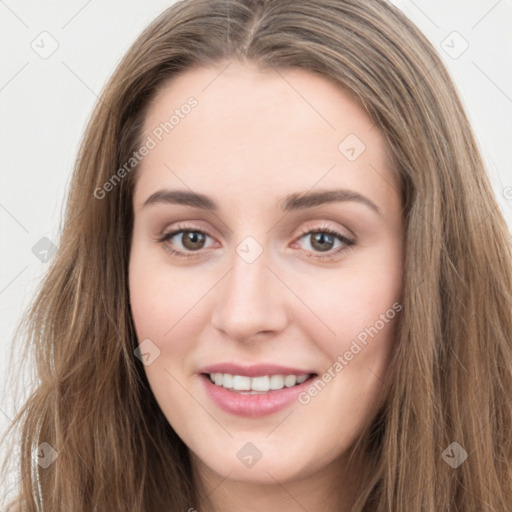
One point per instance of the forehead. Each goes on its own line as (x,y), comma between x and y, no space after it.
(292,128)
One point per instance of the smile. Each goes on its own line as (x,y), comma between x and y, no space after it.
(256,390)
(256,385)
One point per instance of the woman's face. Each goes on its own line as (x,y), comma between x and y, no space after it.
(276,276)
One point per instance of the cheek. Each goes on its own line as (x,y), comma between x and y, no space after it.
(360,302)
(162,306)
(161,297)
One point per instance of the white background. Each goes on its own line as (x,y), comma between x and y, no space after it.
(45,104)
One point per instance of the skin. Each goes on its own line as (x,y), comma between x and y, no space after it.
(253,138)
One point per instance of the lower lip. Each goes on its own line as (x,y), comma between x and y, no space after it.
(255,405)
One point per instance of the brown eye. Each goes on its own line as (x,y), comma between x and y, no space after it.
(193,240)
(322,241)
(326,240)
(184,242)
(190,242)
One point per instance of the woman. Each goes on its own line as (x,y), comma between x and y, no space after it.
(283,280)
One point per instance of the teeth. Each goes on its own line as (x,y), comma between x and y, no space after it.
(276,382)
(290,381)
(301,379)
(227,380)
(262,383)
(240,383)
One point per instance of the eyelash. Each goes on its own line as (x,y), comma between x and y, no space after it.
(349,244)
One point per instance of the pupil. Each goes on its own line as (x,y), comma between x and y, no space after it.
(321,238)
(194,238)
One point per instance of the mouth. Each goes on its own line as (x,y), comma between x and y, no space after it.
(261,384)
(254,391)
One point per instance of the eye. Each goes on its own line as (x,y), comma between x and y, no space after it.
(191,240)
(323,240)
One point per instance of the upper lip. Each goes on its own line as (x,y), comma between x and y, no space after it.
(255,370)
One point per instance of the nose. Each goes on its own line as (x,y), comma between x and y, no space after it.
(251,300)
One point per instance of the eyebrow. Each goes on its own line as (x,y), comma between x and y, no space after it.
(291,202)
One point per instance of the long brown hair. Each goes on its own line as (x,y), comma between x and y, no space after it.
(453,363)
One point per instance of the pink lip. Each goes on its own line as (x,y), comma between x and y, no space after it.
(254,370)
(255,405)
